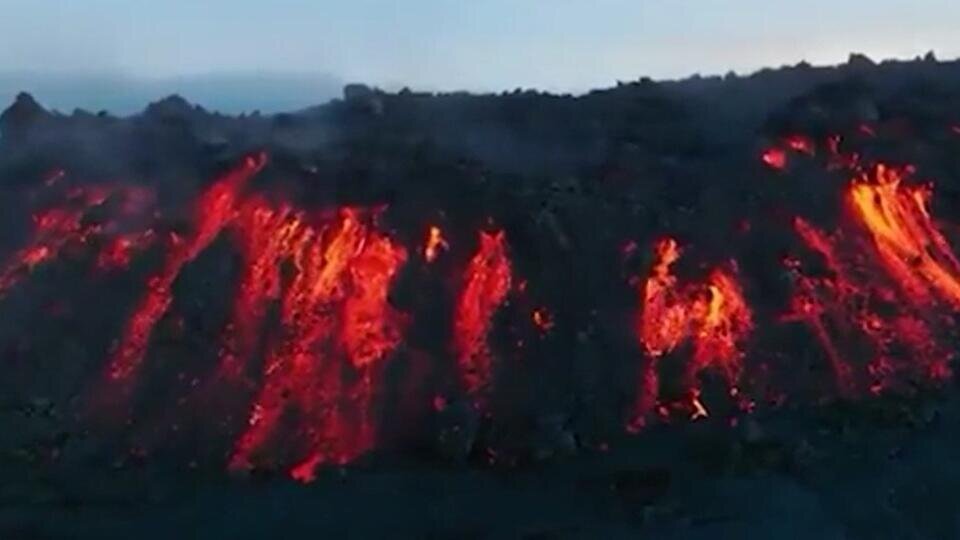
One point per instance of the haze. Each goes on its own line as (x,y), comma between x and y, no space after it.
(237,55)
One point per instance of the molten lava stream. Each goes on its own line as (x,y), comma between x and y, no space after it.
(487,281)
(892,286)
(713,316)
(909,244)
(337,331)
(215,209)
(267,237)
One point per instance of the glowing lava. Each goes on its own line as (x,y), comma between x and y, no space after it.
(337,329)
(892,281)
(487,282)
(267,237)
(118,252)
(712,316)
(911,248)
(215,209)
(311,329)
(801,143)
(56,228)
(775,158)
(435,244)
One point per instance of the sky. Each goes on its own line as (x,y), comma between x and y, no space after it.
(479,45)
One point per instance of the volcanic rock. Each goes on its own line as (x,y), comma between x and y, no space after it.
(24,114)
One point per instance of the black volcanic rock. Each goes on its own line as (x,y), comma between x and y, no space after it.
(172,107)
(859,62)
(19,119)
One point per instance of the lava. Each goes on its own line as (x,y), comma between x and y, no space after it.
(267,237)
(543,320)
(312,333)
(435,244)
(337,329)
(118,252)
(214,210)
(487,283)
(775,158)
(712,316)
(909,244)
(54,229)
(801,143)
(892,281)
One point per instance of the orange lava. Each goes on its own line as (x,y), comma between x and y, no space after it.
(215,209)
(267,237)
(337,329)
(911,248)
(435,244)
(487,282)
(891,284)
(712,316)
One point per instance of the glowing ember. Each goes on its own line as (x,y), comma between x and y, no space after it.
(117,254)
(542,320)
(486,285)
(215,209)
(435,244)
(800,143)
(775,158)
(699,411)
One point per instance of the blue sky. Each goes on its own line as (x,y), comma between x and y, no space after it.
(564,45)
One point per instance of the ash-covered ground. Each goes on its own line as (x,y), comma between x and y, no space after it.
(710,308)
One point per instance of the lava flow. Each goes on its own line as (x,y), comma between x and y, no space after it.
(337,329)
(890,285)
(215,209)
(911,248)
(313,359)
(712,316)
(267,237)
(487,282)
(53,230)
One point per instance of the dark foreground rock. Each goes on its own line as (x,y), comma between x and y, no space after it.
(882,470)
